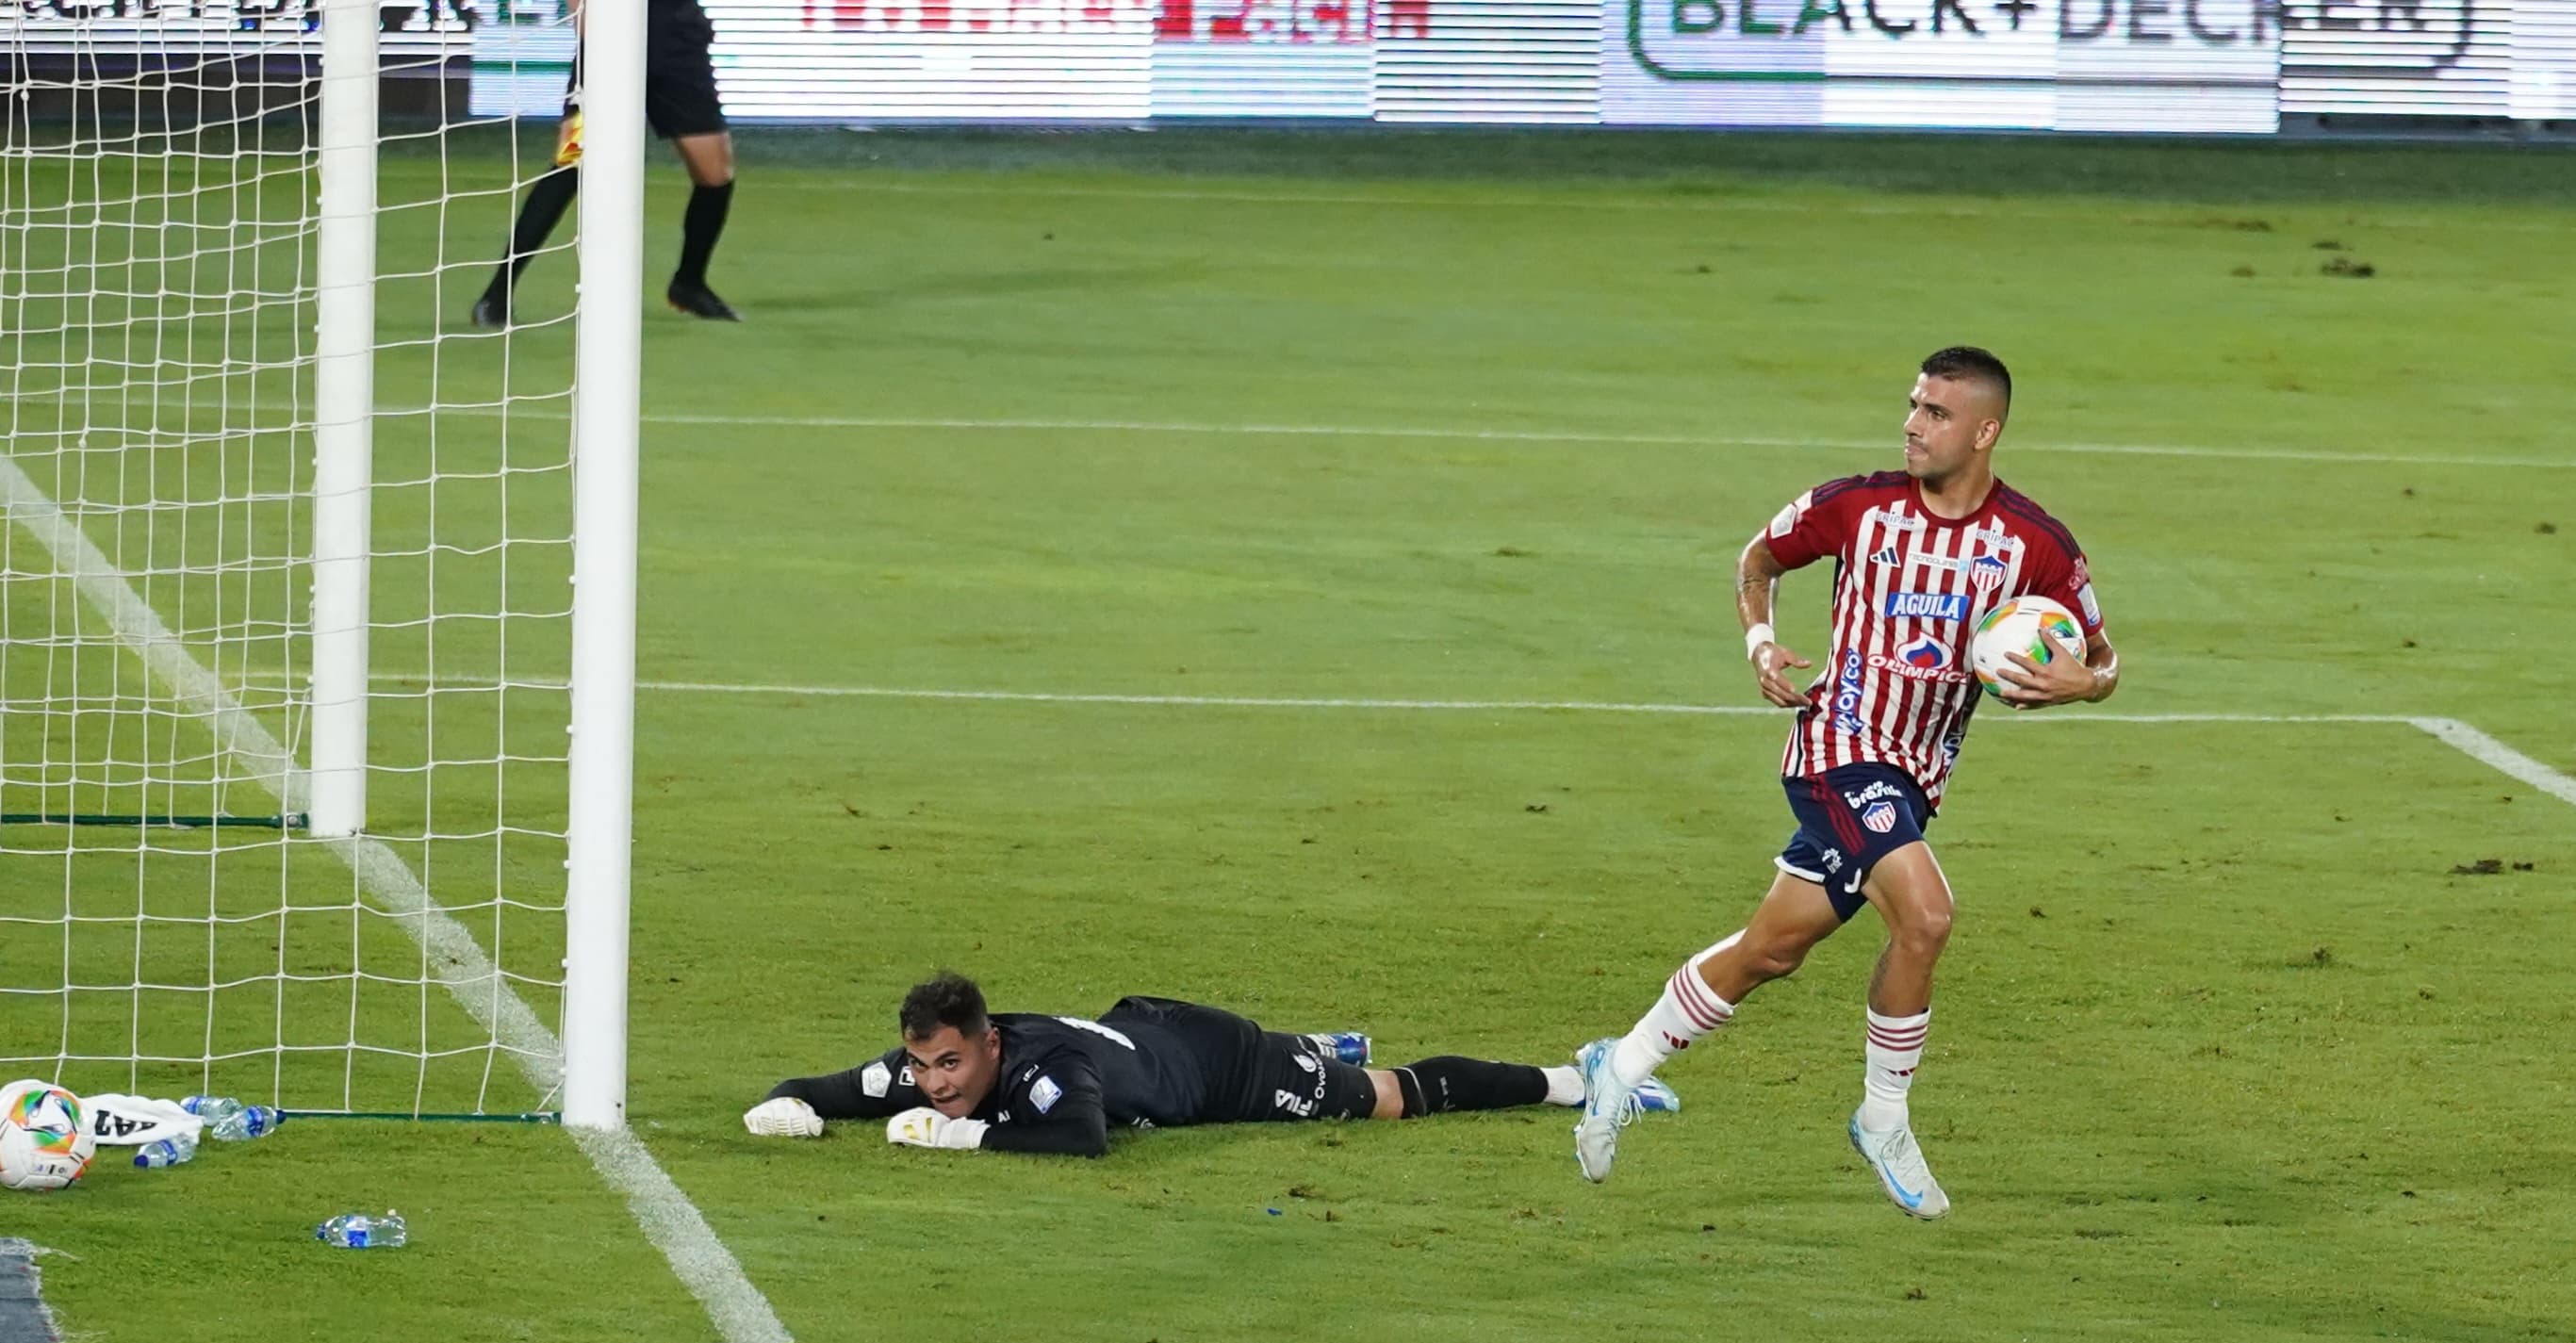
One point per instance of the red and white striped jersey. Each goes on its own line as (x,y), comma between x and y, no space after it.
(1909,589)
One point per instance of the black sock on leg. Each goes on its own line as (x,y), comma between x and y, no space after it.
(1449,1083)
(699,228)
(544,208)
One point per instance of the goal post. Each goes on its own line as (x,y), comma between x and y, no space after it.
(608,364)
(317,604)
(344,403)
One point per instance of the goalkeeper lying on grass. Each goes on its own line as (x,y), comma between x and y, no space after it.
(1017,1082)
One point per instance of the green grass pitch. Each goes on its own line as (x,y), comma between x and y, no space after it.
(2224,1048)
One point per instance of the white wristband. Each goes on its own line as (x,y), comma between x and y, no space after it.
(1755,637)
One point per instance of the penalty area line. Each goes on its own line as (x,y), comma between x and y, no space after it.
(668,1219)
(2495,755)
(1393,705)
(2477,745)
(1471,435)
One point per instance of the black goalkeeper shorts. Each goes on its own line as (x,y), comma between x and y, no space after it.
(1253,1075)
(679,76)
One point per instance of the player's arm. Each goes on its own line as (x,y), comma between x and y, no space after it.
(1757,583)
(2104,661)
(1058,1112)
(2065,680)
(1812,526)
(798,1106)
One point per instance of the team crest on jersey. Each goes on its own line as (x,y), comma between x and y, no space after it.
(1880,817)
(873,1079)
(1987,573)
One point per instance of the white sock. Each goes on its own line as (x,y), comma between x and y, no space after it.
(1687,1010)
(1895,1048)
(1564,1085)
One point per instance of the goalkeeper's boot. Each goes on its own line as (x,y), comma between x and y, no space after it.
(1607,1108)
(1898,1161)
(492,311)
(699,301)
(1350,1047)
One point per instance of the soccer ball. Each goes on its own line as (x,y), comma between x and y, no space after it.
(2035,627)
(45,1141)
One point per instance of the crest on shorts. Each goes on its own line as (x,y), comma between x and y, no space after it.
(1880,817)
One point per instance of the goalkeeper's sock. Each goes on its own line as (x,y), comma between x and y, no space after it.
(1449,1083)
(699,229)
(548,197)
(1688,1009)
(1895,1048)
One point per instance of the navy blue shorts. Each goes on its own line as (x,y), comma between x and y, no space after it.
(1848,819)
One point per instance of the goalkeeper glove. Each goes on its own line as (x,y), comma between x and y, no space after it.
(922,1126)
(783,1117)
(568,139)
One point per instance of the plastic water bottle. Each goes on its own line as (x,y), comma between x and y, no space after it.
(358,1231)
(166,1152)
(228,1120)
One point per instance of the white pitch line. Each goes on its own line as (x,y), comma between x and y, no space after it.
(668,1219)
(1299,702)
(1676,202)
(2255,454)
(2450,731)
(2496,755)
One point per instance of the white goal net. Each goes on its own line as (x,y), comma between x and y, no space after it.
(285,598)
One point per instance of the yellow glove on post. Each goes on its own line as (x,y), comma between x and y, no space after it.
(568,140)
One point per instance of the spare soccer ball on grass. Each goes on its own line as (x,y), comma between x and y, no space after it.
(45,1141)
(2035,627)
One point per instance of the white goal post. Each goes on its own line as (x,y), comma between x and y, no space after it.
(317,606)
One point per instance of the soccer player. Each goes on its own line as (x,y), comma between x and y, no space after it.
(1015,1082)
(681,104)
(1920,555)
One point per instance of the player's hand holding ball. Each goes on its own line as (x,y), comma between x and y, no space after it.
(2029,653)
(922,1126)
(783,1117)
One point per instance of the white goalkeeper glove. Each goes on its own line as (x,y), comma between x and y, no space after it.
(922,1126)
(783,1117)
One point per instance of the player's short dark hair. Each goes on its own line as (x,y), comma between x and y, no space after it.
(1968,361)
(945,999)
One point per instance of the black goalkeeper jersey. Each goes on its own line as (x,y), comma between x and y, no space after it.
(1064,1080)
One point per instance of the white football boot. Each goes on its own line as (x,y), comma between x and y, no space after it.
(1899,1163)
(1607,1108)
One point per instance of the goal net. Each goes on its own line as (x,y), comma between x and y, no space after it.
(286,607)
